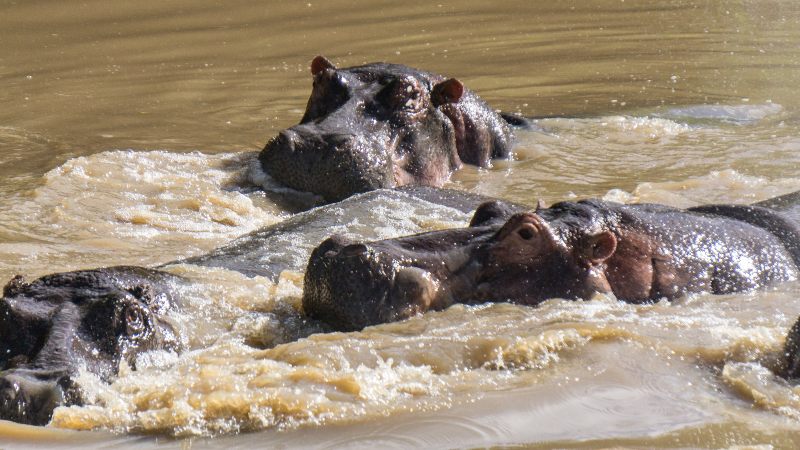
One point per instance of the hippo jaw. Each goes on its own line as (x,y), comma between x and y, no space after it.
(382,126)
(30,396)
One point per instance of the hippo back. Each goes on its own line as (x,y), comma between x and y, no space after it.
(781,225)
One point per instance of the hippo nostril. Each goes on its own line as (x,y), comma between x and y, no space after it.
(330,247)
(285,140)
(354,250)
(526,233)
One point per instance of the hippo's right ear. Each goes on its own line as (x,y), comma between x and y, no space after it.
(448,91)
(319,64)
(491,212)
(14,286)
(599,247)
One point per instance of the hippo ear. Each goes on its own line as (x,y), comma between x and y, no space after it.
(448,91)
(600,247)
(15,286)
(319,64)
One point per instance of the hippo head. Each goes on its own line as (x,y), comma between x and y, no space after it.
(525,257)
(54,326)
(381,126)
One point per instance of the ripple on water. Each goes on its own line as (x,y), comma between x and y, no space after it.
(561,158)
(127,207)
(763,388)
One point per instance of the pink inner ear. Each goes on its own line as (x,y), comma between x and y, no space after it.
(603,245)
(448,91)
(319,64)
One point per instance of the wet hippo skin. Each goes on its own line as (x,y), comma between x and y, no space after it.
(791,353)
(99,318)
(91,319)
(638,253)
(381,126)
(96,319)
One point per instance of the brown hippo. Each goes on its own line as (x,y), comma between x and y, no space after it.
(381,126)
(638,253)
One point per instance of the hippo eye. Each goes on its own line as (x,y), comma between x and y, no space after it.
(135,321)
(404,95)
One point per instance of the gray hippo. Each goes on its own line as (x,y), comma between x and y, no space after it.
(52,327)
(381,126)
(572,250)
(57,324)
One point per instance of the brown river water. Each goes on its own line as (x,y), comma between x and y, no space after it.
(128,134)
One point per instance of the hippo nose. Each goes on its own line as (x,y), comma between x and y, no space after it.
(354,250)
(285,140)
(332,246)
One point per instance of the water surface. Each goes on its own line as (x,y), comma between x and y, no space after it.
(128,134)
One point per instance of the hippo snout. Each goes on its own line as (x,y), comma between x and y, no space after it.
(332,164)
(354,285)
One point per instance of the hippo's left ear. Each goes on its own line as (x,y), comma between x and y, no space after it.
(448,91)
(321,63)
(599,247)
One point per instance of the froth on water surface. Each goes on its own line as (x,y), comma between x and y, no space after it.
(255,364)
(629,370)
(753,148)
(127,207)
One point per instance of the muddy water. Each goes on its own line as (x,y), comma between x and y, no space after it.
(128,132)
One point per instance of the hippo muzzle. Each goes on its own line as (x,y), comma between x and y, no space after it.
(332,164)
(354,285)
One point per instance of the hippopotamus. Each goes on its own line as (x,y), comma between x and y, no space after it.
(97,319)
(58,324)
(571,250)
(381,126)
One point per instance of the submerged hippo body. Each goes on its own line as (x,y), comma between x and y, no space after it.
(382,126)
(96,319)
(639,253)
(91,319)
(791,354)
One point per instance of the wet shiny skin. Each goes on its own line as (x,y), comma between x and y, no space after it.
(380,126)
(685,103)
(637,253)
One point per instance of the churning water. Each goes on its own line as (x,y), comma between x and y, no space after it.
(129,135)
